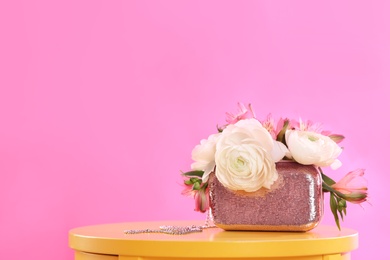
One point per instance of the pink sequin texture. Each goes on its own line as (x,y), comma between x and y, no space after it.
(294,202)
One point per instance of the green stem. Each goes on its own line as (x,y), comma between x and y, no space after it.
(328,188)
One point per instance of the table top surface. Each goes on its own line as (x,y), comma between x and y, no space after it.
(212,242)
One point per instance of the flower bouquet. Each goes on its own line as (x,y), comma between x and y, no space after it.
(267,175)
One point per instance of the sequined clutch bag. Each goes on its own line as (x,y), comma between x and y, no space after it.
(294,202)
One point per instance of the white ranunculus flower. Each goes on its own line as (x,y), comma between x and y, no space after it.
(313,148)
(243,157)
(279,151)
(203,154)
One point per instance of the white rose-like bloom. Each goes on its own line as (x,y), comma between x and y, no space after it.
(203,154)
(243,157)
(313,148)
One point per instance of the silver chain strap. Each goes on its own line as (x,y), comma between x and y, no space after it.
(176,230)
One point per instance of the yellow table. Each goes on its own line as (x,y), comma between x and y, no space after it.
(108,242)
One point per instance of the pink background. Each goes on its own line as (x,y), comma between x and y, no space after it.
(101,103)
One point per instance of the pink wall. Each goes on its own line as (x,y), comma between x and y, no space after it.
(101,103)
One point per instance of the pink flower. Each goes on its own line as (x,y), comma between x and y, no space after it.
(315,127)
(306,126)
(269,124)
(280,125)
(245,112)
(202,200)
(188,191)
(200,195)
(353,186)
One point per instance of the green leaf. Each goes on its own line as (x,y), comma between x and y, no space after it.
(281,136)
(343,206)
(336,138)
(341,215)
(327,188)
(333,207)
(326,179)
(194,174)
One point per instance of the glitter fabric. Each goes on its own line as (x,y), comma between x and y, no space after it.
(294,202)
